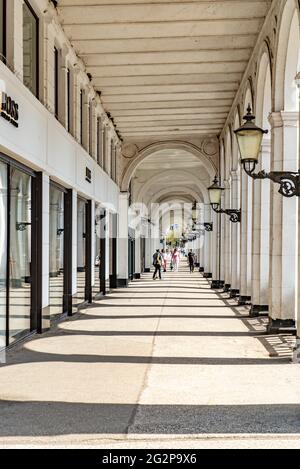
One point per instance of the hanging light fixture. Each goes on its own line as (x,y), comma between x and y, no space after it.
(215,194)
(249,138)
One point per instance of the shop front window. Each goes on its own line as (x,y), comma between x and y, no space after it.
(3,253)
(20,254)
(56,262)
(81,250)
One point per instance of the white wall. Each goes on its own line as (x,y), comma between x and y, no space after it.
(42,143)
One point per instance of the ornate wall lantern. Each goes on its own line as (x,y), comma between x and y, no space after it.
(249,138)
(215,193)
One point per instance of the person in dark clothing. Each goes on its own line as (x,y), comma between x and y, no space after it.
(157,263)
(191,259)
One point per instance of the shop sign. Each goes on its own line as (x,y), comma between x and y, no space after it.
(9,109)
(88,175)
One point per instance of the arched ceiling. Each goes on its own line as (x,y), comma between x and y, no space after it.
(165,67)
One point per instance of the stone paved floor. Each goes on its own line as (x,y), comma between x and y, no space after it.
(163,364)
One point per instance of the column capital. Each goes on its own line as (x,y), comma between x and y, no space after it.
(284,119)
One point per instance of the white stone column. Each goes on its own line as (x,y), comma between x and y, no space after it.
(245,237)
(138,260)
(227,232)
(298,258)
(148,253)
(222,248)
(215,258)
(283,224)
(235,237)
(123,239)
(260,236)
(207,242)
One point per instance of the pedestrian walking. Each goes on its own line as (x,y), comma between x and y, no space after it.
(157,264)
(191,260)
(164,260)
(175,260)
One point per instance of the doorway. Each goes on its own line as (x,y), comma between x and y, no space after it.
(20,244)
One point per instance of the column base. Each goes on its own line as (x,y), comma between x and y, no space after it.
(227,287)
(137,276)
(234,293)
(216,284)
(257,309)
(113,283)
(244,300)
(201,270)
(122,282)
(279,326)
(207,275)
(147,270)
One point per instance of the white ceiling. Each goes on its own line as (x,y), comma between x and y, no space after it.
(165,67)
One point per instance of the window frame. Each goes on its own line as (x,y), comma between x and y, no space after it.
(56,82)
(69,100)
(4,33)
(37,45)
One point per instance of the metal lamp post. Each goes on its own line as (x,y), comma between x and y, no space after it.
(249,138)
(215,193)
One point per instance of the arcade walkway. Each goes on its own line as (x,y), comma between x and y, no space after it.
(159,361)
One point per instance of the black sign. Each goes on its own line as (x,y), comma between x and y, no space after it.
(9,109)
(88,175)
(208,227)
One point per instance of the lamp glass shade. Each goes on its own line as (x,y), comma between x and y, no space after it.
(249,142)
(215,193)
(194,213)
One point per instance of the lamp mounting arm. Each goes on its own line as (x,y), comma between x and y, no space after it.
(289,181)
(234,214)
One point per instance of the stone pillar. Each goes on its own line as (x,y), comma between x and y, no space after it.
(148,254)
(227,232)
(297,349)
(260,237)
(207,245)
(283,225)
(235,238)
(222,248)
(245,227)
(215,252)
(123,240)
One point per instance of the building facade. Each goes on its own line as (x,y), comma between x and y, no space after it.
(73,183)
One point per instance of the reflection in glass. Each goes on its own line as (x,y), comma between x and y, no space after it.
(56,263)
(81,236)
(30,49)
(3,252)
(20,253)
